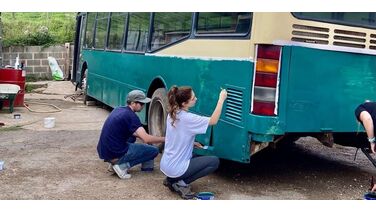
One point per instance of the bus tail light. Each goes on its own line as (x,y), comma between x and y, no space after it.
(265,83)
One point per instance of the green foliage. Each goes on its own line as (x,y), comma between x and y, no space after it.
(24,29)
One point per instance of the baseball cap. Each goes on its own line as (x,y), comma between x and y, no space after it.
(137,96)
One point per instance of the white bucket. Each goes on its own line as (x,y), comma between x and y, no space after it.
(1,165)
(49,122)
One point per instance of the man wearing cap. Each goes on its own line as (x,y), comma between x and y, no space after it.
(117,140)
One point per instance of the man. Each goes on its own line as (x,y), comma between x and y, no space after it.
(117,140)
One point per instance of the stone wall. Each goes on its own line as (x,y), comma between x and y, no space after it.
(35,59)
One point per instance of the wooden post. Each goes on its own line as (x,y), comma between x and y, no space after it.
(67,62)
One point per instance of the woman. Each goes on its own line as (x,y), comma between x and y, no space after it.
(366,114)
(182,127)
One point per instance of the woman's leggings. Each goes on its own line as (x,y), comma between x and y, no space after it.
(198,167)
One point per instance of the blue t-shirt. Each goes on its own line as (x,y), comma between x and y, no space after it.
(117,131)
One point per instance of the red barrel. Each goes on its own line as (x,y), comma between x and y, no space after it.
(17,77)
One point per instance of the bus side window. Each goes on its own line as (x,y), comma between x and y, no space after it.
(243,23)
(116,33)
(169,28)
(138,30)
(89,32)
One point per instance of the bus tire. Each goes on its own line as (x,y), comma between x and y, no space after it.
(157,114)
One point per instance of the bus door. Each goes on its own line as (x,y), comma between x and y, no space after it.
(78,44)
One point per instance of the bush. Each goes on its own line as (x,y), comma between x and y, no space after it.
(45,29)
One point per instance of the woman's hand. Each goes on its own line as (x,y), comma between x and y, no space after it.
(198,145)
(223,95)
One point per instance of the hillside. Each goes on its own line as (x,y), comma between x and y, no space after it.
(37,28)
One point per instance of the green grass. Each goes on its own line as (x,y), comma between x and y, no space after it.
(33,28)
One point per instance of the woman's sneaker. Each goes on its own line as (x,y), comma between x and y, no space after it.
(168,184)
(122,173)
(184,191)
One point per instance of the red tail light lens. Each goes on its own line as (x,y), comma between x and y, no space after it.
(263,108)
(268,52)
(266,80)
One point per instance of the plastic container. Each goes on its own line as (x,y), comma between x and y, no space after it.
(17,77)
(49,122)
(370,196)
(205,196)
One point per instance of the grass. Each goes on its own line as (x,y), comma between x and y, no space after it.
(37,28)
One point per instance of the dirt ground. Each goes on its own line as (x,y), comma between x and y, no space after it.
(62,162)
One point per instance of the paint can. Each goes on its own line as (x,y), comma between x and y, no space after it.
(17,116)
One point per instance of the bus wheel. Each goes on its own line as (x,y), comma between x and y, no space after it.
(158,114)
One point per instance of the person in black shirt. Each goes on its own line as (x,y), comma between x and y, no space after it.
(366,114)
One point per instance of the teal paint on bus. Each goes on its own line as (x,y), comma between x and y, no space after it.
(324,88)
(206,77)
(319,90)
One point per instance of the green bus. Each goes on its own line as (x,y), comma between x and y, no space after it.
(287,74)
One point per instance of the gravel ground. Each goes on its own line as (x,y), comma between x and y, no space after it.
(62,163)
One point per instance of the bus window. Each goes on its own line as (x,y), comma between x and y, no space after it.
(138,31)
(170,27)
(361,19)
(89,35)
(116,33)
(224,23)
(101,31)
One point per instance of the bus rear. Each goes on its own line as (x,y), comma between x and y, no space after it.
(325,69)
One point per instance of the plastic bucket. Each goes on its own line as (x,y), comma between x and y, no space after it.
(17,77)
(1,165)
(370,196)
(49,122)
(205,196)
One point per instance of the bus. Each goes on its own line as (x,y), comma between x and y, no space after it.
(287,75)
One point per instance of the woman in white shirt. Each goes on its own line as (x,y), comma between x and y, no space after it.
(182,127)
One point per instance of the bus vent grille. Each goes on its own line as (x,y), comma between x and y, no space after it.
(349,38)
(310,34)
(234,104)
(373,42)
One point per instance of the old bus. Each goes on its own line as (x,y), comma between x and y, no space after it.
(287,74)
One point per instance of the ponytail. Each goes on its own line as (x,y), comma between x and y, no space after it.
(174,107)
(176,98)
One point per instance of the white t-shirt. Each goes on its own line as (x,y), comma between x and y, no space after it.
(179,142)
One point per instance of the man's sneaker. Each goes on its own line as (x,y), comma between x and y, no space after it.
(168,184)
(184,191)
(110,169)
(122,173)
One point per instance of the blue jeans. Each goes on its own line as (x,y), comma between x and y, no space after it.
(198,167)
(138,153)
